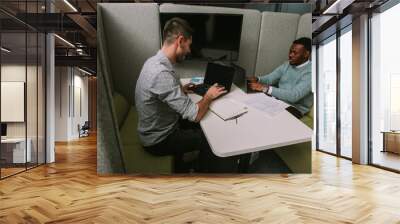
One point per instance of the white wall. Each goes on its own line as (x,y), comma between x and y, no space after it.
(70,83)
(62,80)
(33,126)
(80,93)
(17,73)
(12,73)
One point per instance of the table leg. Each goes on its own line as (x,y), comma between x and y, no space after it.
(244,162)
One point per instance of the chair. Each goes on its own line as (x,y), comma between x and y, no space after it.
(136,159)
(84,130)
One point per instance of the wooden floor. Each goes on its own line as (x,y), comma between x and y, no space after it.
(10,171)
(70,191)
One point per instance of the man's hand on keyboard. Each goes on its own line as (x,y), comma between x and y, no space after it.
(188,88)
(215,91)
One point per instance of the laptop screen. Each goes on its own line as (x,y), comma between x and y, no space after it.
(3,129)
(221,74)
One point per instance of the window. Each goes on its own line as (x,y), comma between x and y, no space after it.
(346,92)
(334,106)
(327,96)
(385,85)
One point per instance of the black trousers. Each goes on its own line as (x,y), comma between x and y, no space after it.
(189,137)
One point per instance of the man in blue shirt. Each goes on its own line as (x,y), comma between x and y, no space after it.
(291,81)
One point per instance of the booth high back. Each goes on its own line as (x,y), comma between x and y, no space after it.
(250,29)
(128,35)
(278,31)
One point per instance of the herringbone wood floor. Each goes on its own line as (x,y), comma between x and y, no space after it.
(70,191)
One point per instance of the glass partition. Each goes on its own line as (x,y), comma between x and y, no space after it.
(22,88)
(14,152)
(346,93)
(327,96)
(385,89)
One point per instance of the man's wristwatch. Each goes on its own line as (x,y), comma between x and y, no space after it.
(265,89)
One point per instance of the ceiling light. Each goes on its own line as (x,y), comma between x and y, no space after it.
(338,6)
(65,41)
(70,5)
(5,50)
(84,71)
(331,7)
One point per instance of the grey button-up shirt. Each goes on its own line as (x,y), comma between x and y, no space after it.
(160,101)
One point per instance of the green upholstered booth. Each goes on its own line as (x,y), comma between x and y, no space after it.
(298,156)
(121,55)
(136,159)
(287,27)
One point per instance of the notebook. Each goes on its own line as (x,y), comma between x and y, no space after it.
(228,109)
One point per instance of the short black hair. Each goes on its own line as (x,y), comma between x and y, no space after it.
(305,41)
(175,27)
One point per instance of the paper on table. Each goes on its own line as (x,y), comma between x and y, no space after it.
(264,103)
(227,109)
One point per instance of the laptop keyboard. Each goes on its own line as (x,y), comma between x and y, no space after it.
(200,89)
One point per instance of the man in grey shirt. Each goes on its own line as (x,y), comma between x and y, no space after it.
(166,113)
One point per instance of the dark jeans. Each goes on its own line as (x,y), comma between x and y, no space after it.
(189,137)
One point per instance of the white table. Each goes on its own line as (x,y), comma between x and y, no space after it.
(18,149)
(254,131)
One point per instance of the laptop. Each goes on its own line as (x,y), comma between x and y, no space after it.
(240,79)
(3,131)
(215,73)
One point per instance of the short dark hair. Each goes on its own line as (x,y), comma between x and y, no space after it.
(305,41)
(175,27)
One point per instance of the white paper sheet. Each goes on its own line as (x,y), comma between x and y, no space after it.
(264,103)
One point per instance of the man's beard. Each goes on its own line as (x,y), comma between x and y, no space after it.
(180,58)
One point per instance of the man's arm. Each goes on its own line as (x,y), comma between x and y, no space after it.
(170,92)
(187,88)
(203,106)
(212,93)
(300,90)
(273,77)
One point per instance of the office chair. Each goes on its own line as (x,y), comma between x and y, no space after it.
(84,130)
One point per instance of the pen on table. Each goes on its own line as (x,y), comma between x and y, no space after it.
(237,116)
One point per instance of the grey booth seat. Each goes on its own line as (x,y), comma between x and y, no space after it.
(273,50)
(136,159)
(124,45)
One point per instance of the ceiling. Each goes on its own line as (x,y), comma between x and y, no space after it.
(75,21)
